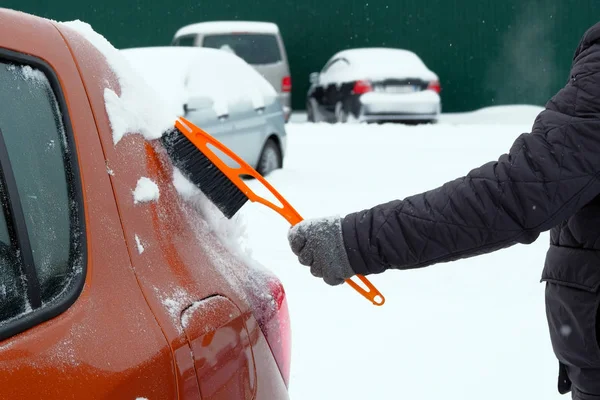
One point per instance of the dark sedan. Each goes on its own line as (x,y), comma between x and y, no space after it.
(374,84)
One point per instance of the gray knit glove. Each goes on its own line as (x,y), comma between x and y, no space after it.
(319,244)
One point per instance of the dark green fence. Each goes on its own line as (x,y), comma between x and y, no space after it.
(486,52)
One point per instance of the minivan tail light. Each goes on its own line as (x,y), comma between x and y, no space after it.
(286,84)
(362,87)
(435,86)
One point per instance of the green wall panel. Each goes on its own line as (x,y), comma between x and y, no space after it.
(486,52)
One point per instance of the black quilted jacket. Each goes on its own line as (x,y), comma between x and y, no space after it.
(549,180)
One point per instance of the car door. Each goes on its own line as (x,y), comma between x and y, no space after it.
(229,107)
(215,120)
(217,104)
(249,129)
(73,320)
(248,104)
(240,128)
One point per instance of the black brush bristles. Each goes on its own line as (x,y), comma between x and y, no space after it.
(198,168)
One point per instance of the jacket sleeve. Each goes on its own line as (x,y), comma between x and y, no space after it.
(546,177)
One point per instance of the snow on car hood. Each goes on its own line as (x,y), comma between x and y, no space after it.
(181,73)
(378,64)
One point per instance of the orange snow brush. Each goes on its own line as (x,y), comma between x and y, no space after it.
(188,147)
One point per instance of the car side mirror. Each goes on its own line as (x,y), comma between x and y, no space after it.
(314,77)
(197,104)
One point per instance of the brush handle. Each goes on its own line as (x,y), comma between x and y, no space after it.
(201,140)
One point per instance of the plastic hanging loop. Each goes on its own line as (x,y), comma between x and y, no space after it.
(202,140)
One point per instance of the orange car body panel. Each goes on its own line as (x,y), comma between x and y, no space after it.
(108,344)
(124,337)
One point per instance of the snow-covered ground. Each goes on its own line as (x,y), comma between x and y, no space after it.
(472,329)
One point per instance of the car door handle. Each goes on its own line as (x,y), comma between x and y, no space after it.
(223,117)
(187,109)
(260,110)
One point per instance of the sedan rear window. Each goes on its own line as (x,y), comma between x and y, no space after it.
(255,49)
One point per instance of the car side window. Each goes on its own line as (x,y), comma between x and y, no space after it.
(39,230)
(187,40)
(13,299)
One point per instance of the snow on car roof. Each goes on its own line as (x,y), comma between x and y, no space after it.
(228,27)
(377,63)
(376,54)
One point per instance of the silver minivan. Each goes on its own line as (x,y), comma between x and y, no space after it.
(258,43)
(221,94)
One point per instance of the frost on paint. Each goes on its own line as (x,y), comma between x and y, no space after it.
(241,271)
(185,320)
(174,301)
(145,191)
(208,222)
(208,308)
(139,109)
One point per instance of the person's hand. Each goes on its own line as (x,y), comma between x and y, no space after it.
(319,244)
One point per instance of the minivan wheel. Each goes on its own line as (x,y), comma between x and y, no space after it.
(270,158)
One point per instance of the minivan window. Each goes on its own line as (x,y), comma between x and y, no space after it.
(254,48)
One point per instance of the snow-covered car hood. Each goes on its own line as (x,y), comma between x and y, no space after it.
(178,73)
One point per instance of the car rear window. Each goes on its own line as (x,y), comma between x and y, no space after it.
(34,135)
(39,229)
(254,48)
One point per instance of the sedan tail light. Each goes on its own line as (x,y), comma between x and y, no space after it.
(362,87)
(435,86)
(286,84)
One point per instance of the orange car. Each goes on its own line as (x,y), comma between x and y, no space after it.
(101,296)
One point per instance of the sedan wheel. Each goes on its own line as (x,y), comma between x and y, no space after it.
(270,159)
(310,112)
(340,114)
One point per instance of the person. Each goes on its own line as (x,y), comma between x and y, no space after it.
(549,180)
